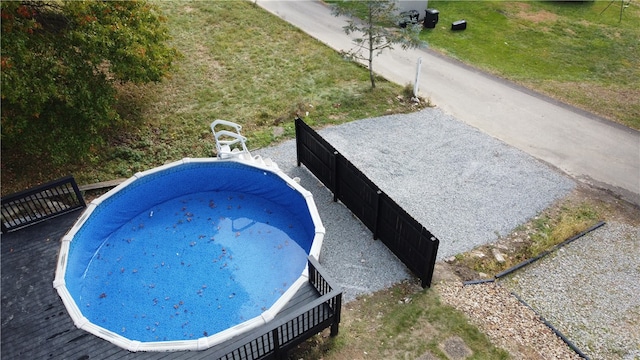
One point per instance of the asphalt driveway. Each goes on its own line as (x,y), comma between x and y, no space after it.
(582,145)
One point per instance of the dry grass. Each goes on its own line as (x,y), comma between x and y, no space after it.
(570,216)
(613,100)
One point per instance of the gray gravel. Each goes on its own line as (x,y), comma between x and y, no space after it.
(350,256)
(466,187)
(463,185)
(590,291)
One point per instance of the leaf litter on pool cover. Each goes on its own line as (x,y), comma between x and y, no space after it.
(234,290)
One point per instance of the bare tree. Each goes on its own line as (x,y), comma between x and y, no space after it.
(376,23)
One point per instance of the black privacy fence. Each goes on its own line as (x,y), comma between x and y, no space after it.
(414,245)
(40,203)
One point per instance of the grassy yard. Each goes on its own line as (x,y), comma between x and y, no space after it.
(574,51)
(238,63)
(398,323)
(242,64)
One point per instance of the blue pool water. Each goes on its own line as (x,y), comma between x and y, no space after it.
(187,266)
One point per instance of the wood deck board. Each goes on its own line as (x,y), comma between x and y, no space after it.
(35,323)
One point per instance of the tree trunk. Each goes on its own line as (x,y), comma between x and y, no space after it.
(371,76)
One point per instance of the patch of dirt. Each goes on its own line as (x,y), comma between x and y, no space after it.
(538,16)
(520,5)
(464,272)
(522,10)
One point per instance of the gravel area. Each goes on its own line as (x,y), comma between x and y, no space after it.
(463,185)
(350,255)
(468,189)
(507,322)
(590,291)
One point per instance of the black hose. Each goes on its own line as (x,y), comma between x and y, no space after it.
(529,261)
(555,331)
(481,281)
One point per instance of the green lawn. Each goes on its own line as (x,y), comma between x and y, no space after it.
(238,63)
(402,322)
(577,52)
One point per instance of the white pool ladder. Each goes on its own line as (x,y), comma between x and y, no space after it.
(229,142)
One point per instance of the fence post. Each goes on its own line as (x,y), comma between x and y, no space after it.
(336,181)
(298,133)
(432,246)
(377,212)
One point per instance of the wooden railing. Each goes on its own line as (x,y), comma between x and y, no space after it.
(291,330)
(40,203)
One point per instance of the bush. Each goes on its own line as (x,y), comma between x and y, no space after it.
(60,61)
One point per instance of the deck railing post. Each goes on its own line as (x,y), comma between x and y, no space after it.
(336,315)
(276,343)
(76,190)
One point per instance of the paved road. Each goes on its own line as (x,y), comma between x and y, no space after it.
(582,145)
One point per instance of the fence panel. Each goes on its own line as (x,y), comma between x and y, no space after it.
(414,245)
(357,192)
(40,203)
(316,154)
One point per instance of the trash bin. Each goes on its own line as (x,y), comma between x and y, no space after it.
(409,17)
(459,25)
(431,18)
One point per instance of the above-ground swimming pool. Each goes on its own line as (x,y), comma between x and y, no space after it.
(188,255)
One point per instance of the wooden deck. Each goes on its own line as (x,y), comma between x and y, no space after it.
(36,325)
